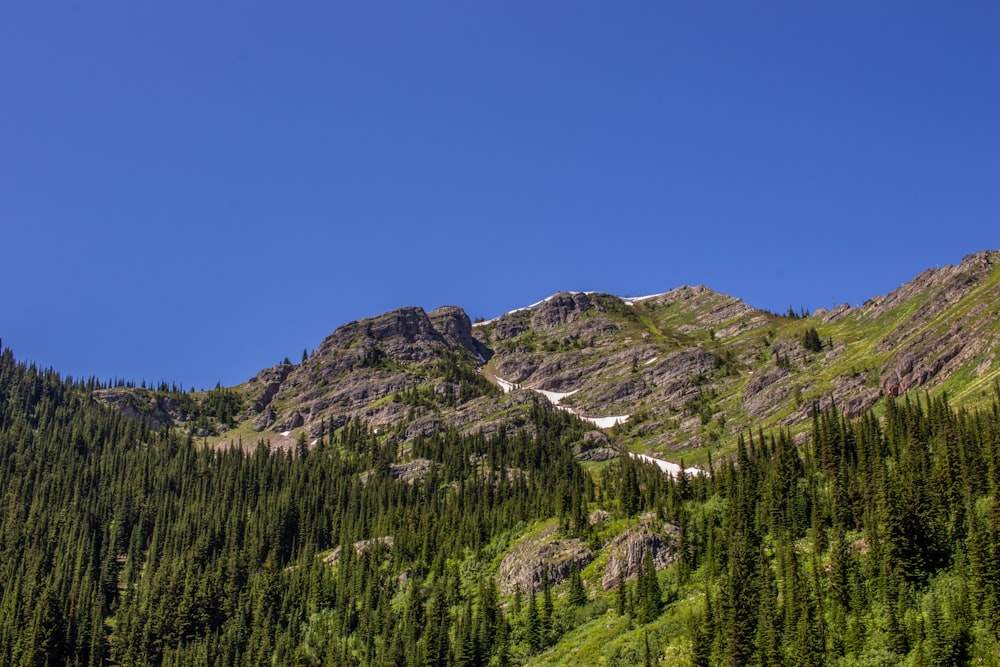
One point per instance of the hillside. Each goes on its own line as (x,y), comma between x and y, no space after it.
(424,491)
(875,544)
(675,374)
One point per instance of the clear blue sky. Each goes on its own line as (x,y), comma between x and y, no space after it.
(191,191)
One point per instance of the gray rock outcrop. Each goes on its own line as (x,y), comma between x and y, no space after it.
(525,567)
(627,551)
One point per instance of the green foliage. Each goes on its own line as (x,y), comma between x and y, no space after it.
(222,404)
(811,341)
(875,543)
(648,592)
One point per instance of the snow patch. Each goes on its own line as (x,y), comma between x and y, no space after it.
(632,300)
(603,422)
(505,386)
(286,433)
(671,469)
(651,361)
(555,396)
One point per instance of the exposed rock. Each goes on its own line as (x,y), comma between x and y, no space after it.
(595,446)
(766,390)
(711,307)
(359,548)
(363,362)
(264,419)
(597,516)
(261,388)
(914,369)
(525,566)
(406,334)
(598,454)
(854,405)
(423,426)
(412,471)
(835,314)
(511,325)
(627,551)
(140,404)
(294,420)
(454,326)
(560,309)
(676,373)
(946,285)
(321,427)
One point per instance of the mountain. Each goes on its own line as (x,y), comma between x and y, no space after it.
(422,490)
(674,374)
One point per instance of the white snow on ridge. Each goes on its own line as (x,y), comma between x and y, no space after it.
(530,307)
(627,300)
(545,300)
(671,469)
(632,300)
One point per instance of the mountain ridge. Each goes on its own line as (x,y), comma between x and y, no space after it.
(685,370)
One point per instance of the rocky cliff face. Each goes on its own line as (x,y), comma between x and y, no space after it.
(455,329)
(143,405)
(940,335)
(627,551)
(365,369)
(526,566)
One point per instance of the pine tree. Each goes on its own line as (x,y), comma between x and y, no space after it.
(533,626)
(577,594)
(621,593)
(811,340)
(649,593)
(436,632)
(768,637)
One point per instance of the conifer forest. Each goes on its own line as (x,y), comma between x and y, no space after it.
(873,541)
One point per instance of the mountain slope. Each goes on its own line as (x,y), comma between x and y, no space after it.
(681,371)
(478,526)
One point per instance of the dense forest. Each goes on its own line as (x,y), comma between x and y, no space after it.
(874,541)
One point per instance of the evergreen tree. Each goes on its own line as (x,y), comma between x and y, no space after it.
(577,594)
(649,593)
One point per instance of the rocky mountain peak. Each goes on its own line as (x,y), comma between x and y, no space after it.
(455,328)
(562,308)
(406,334)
